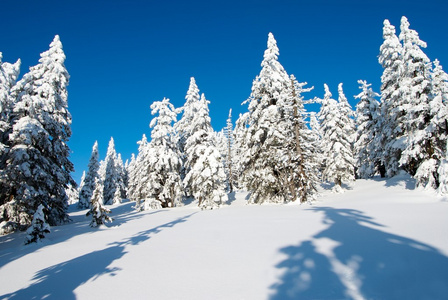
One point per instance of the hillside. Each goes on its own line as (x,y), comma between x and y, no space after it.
(378,240)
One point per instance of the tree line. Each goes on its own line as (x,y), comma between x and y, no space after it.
(277,150)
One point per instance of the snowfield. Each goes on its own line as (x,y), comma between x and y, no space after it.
(379,240)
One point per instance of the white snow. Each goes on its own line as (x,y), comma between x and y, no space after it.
(378,240)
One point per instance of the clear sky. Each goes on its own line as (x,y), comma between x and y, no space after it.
(124,54)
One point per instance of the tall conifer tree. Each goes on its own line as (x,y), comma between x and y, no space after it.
(38,166)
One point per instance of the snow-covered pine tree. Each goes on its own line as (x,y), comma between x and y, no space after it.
(183,126)
(316,140)
(121,171)
(439,105)
(433,133)
(337,139)
(85,194)
(164,166)
(112,183)
(8,77)
(38,166)
(415,90)
(270,158)
(439,81)
(391,126)
(240,147)
(443,174)
(229,157)
(367,115)
(263,152)
(39,227)
(303,165)
(99,213)
(138,174)
(206,176)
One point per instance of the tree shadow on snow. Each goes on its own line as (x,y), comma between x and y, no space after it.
(402,179)
(350,260)
(12,248)
(230,198)
(328,186)
(60,281)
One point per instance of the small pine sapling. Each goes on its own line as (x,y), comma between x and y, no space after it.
(39,227)
(98,212)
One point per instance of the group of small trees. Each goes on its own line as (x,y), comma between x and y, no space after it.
(407,130)
(105,183)
(279,152)
(182,160)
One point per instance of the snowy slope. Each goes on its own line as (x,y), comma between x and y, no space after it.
(378,240)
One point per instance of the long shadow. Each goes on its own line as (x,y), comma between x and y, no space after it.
(11,246)
(364,263)
(59,281)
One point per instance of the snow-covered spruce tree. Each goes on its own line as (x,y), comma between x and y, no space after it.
(112,184)
(85,194)
(367,115)
(230,154)
(164,166)
(122,177)
(303,161)
(138,174)
(99,213)
(433,134)
(183,126)
(316,138)
(39,227)
(206,176)
(415,90)
(240,147)
(443,174)
(8,76)
(270,159)
(391,140)
(337,140)
(38,166)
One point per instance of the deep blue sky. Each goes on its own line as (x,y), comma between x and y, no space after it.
(124,54)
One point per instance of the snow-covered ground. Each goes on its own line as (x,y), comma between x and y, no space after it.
(378,240)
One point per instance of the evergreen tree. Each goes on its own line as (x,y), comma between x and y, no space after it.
(138,174)
(316,140)
(164,166)
(337,136)
(92,175)
(240,147)
(415,90)
(206,176)
(112,192)
(38,166)
(184,127)
(99,213)
(272,156)
(367,116)
(121,171)
(229,157)
(8,76)
(443,174)
(263,152)
(39,227)
(392,124)
(304,162)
